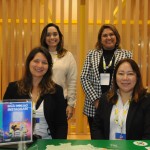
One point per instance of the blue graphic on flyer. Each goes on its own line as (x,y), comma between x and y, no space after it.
(16,122)
(1,122)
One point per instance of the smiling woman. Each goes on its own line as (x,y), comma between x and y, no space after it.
(49,105)
(97,73)
(64,64)
(124,111)
(126,79)
(108,39)
(52,38)
(38,66)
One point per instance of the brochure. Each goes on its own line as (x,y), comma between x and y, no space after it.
(15,122)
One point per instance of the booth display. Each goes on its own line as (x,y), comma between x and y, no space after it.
(90,145)
(16,133)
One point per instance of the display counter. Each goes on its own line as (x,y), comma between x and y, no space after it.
(96,144)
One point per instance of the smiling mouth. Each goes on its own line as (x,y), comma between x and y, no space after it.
(52,41)
(125,84)
(39,70)
(109,42)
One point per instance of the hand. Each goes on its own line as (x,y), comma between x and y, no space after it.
(96,103)
(69,112)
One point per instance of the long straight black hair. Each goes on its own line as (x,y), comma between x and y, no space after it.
(138,90)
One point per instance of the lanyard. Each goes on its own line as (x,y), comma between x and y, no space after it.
(120,115)
(105,67)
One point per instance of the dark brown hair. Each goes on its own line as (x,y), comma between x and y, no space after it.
(138,90)
(115,31)
(46,85)
(60,49)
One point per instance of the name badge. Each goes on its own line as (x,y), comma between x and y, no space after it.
(37,120)
(105,78)
(120,136)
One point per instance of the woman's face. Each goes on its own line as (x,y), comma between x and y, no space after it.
(108,39)
(52,38)
(126,78)
(38,65)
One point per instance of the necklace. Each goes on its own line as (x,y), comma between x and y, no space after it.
(105,67)
(120,115)
(34,98)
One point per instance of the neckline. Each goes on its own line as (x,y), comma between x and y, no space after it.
(53,52)
(107,52)
(36,98)
(128,100)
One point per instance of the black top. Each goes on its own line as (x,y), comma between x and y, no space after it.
(137,121)
(108,55)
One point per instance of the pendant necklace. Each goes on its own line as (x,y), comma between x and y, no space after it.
(34,100)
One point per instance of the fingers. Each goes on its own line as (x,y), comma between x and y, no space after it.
(69,115)
(69,112)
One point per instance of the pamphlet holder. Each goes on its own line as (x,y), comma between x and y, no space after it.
(22,144)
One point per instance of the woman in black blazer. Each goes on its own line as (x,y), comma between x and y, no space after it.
(124,111)
(37,85)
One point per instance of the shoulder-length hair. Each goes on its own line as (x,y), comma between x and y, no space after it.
(60,47)
(46,85)
(115,31)
(138,90)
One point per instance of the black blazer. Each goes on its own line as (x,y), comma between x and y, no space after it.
(137,122)
(54,109)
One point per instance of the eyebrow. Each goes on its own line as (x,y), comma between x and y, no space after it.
(52,32)
(125,71)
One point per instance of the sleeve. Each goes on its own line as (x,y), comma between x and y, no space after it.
(10,90)
(123,53)
(60,124)
(98,128)
(71,81)
(129,54)
(87,77)
(146,134)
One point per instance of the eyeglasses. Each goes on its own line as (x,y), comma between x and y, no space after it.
(108,35)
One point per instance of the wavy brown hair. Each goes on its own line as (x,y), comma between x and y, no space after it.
(61,51)
(115,31)
(138,90)
(46,85)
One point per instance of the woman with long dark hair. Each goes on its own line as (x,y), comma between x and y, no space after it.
(49,104)
(123,112)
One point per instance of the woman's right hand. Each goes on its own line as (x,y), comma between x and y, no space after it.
(96,103)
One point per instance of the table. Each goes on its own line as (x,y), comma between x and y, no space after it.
(109,144)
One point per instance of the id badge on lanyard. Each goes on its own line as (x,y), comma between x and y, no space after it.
(120,136)
(105,78)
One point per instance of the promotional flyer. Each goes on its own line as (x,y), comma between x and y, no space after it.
(15,122)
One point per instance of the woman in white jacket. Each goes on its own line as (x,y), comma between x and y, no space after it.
(64,64)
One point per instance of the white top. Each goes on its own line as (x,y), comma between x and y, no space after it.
(65,74)
(41,126)
(118,118)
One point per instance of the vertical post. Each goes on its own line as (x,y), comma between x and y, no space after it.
(80,54)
